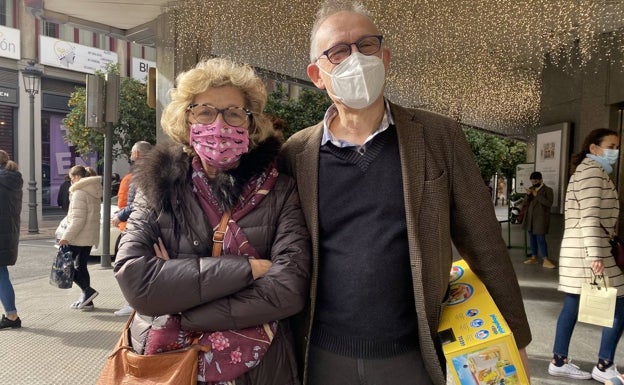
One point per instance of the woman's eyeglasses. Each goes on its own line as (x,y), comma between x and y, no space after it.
(207,114)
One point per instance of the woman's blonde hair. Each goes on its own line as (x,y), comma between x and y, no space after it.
(6,162)
(4,157)
(215,73)
(78,170)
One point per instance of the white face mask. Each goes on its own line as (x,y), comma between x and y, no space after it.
(358,81)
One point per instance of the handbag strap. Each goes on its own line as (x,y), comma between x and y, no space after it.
(607,232)
(125,344)
(219,234)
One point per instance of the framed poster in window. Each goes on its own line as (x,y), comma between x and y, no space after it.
(552,145)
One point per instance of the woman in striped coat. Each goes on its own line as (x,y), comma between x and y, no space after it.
(591,201)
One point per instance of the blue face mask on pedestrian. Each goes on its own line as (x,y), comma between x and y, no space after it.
(607,159)
(610,155)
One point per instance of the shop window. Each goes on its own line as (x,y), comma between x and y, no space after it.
(50,29)
(7,132)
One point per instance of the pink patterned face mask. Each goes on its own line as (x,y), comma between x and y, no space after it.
(218,144)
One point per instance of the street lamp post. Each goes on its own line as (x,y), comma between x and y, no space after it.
(32,76)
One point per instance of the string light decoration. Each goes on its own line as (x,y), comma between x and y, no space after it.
(478,61)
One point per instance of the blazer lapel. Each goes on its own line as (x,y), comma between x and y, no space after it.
(412,153)
(307,175)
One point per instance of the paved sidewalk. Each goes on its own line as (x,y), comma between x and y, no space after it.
(46,228)
(58,345)
(61,346)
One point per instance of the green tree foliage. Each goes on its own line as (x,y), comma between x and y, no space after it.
(516,154)
(495,155)
(137,121)
(299,113)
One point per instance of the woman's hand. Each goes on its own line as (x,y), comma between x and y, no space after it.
(63,242)
(160,250)
(597,266)
(259,267)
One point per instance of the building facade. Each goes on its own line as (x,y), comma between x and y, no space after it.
(64,54)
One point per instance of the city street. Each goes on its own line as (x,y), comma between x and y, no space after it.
(35,258)
(57,345)
(61,346)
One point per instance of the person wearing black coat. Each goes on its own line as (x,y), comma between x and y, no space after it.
(63,195)
(11,183)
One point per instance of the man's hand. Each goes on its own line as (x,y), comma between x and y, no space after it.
(115,221)
(259,267)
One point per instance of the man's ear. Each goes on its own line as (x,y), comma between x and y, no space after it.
(314,75)
(386,58)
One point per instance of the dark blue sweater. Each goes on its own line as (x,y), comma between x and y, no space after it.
(365,302)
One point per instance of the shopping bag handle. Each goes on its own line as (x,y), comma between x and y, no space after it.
(599,277)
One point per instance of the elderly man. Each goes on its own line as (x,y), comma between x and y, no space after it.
(385,191)
(125,203)
(126,192)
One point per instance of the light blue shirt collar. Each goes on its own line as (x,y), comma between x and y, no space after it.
(332,112)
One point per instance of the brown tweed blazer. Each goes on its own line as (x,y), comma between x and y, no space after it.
(445,201)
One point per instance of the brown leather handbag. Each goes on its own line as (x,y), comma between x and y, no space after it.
(125,367)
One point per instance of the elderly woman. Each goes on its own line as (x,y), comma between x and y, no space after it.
(222,162)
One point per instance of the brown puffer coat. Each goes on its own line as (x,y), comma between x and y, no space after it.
(215,293)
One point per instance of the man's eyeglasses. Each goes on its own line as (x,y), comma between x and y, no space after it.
(367,45)
(207,114)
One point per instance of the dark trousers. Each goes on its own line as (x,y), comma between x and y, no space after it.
(326,368)
(81,258)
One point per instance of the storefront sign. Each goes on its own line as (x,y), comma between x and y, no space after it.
(63,157)
(140,68)
(10,43)
(8,95)
(75,57)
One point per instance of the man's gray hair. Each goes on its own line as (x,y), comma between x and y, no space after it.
(142,147)
(327,9)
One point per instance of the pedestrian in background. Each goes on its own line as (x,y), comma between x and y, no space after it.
(83,229)
(591,201)
(115,181)
(127,190)
(537,219)
(125,203)
(11,184)
(90,171)
(386,192)
(63,195)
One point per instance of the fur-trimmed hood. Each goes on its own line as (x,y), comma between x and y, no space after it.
(164,173)
(91,185)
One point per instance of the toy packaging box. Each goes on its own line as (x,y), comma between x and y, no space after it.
(477,342)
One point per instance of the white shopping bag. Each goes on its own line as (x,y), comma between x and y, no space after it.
(597,305)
